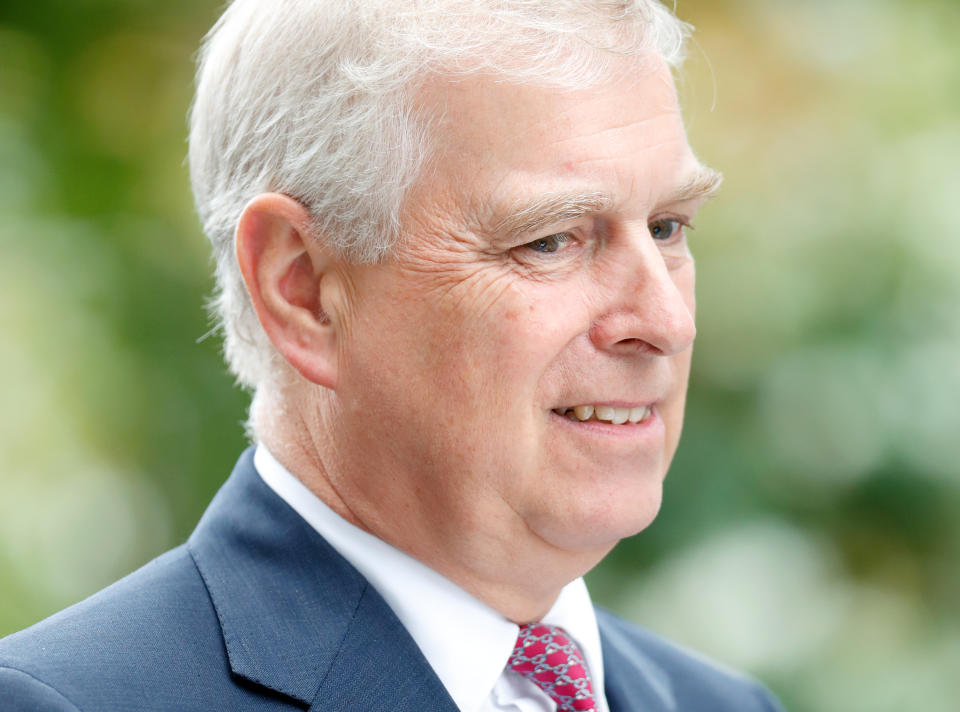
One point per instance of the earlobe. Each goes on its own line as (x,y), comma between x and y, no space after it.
(283,267)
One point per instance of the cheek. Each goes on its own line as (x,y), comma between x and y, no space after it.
(462,344)
(554,313)
(673,410)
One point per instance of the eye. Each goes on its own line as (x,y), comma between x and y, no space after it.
(549,244)
(665,228)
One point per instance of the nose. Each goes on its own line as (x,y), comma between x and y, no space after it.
(652,311)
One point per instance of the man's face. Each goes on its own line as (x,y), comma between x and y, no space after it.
(543,267)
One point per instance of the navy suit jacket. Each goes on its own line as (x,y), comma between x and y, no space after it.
(257,612)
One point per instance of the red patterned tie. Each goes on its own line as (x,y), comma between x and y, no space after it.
(546,655)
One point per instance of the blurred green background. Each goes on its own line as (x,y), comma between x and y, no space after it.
(810,532)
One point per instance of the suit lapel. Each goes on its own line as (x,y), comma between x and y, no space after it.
(632,680)
(295,616)
(380,668)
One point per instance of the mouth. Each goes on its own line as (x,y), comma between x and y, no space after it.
(613,415)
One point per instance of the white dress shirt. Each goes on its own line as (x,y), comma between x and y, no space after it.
(438,614)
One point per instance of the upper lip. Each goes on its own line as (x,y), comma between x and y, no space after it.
(610,403)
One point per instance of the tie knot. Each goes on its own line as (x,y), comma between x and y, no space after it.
(546,655)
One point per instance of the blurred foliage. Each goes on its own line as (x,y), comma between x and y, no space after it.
(809,532)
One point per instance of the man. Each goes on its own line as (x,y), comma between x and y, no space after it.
(452,267)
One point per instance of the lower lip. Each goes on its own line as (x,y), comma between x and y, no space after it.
(649,428)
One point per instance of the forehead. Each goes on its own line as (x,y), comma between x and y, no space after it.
(497,143)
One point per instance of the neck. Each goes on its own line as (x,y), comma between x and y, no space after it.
(492,556)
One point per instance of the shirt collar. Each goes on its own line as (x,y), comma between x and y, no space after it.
(466,642)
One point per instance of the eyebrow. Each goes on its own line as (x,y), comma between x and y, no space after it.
(552,209)
(702,184)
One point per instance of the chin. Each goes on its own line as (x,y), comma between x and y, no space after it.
(598,526)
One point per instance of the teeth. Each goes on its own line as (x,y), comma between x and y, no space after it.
(605,413)
(584,412)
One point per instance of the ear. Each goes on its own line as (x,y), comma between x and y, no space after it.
(283,267)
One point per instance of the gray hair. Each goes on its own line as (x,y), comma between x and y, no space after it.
(316,99)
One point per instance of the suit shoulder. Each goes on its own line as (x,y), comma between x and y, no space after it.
(166,590)
(691,680)
(23,692)
(158,617)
